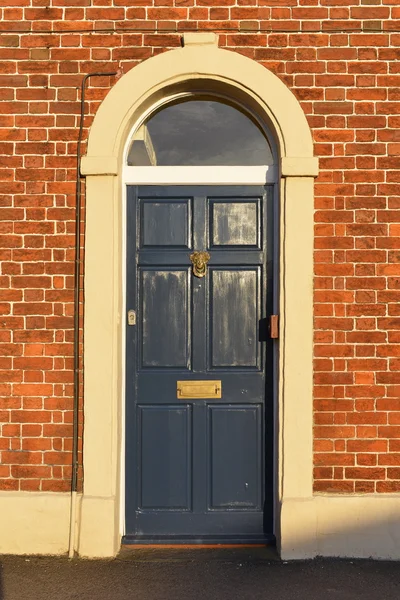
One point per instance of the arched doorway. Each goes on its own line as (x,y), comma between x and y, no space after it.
(201,186)
(198,68)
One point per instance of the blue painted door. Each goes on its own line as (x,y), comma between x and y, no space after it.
(198,469)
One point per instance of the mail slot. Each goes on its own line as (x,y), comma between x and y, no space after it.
(198,389)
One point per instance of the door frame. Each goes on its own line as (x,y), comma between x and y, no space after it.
(207,176)
(199,65)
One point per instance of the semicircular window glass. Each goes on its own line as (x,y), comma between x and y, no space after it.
(199,132)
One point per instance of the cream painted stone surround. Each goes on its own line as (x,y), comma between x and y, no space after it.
(199,66)
(306,525)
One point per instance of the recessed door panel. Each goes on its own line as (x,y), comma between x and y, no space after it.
(234,316)
(165,323)
(235,434)
(165,457)
(165,222)
(235,223)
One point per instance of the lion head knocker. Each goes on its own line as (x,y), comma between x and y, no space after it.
(199,260)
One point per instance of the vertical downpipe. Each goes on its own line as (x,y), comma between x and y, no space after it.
(77,276)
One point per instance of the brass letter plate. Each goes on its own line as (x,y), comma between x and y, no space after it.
(198,389)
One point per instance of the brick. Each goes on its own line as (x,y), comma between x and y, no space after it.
(365,473)
(388,487)
(362,418)
(389,459)
(333,432)
(22,458)
(331,459)
(366,446)
(333,486)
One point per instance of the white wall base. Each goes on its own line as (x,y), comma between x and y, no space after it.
(341,526)
(34,523)
(38,523)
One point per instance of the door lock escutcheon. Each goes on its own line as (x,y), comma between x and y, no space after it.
(131,317)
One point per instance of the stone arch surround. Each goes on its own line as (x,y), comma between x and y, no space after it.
(198,66)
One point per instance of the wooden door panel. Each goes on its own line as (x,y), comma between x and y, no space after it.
(235,451)
(165,460)
(234,223)
(234,314)
(165,222)
(165,322)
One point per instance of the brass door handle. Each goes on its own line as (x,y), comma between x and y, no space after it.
(199,261)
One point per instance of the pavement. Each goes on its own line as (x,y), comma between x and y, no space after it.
(194,574)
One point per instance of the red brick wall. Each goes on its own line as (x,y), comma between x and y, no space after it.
(340,59)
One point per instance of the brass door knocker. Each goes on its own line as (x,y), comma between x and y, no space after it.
(199,260)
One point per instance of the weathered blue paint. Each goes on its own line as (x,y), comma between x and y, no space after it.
(198,470)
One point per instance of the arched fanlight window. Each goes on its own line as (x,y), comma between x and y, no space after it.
(200,133)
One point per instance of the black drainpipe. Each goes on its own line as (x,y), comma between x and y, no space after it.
(77,276)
